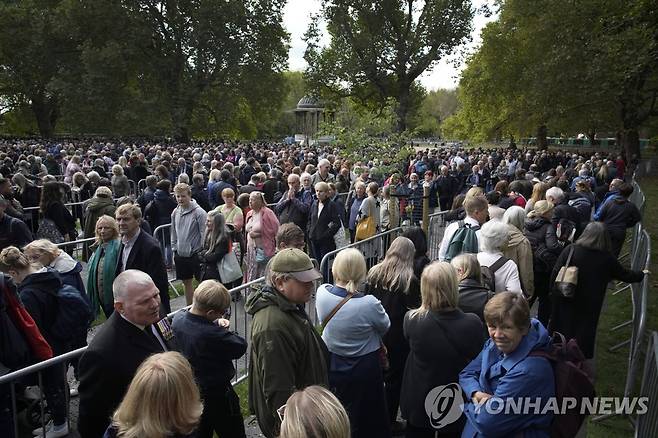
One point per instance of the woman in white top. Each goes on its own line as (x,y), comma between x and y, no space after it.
(492,239)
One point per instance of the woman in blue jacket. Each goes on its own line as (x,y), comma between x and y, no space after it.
(505,372)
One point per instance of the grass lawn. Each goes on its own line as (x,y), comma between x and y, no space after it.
(611,367)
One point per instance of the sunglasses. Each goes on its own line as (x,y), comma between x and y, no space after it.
(281,412)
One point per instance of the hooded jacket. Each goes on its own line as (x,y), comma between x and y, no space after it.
(69,271)
(38,293)
(158,212)
(286,354)
(513,376)
(97,207)
(540,232)
(188,225)
(519,250)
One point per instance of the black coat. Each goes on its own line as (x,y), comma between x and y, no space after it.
(106,369)
(473,297)
(578,317)
(540,232)
(146,256)
(13,232)
(323,227)
(209,259)
(439,351)
(62,218)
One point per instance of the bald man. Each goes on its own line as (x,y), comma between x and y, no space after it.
(130,335)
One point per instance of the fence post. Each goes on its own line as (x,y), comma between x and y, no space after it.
(426,206)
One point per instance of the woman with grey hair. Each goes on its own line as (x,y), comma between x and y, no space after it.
(493,238)
(518,247)
(120,184)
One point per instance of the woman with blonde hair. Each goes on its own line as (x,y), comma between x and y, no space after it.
(473,296)
(162,401)
(49,255)
(102,265)
(353,326)
(538,193)
(443,340)
(394,283)
(314,412)
(120,184)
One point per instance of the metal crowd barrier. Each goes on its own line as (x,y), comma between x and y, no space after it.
(240,322)
(646,425)
(435,231)
(639,293)
(141,185)
(163,235)
(636,253)
(133,188)
(78,249)
(372,248)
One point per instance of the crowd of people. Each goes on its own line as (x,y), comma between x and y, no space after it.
(388,334)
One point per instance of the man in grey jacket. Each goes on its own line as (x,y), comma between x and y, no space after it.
(188,226)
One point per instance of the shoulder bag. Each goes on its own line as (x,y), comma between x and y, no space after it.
(567,279)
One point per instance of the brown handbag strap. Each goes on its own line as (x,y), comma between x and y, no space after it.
(336,309)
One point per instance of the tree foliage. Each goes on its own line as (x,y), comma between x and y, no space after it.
(179,67)
(379,48)
(562,66)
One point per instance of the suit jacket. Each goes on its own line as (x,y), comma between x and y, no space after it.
(106,370)
(327,224)
(146,256)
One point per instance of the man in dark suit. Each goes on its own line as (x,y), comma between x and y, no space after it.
(141,251)
(132,333)
(323,222)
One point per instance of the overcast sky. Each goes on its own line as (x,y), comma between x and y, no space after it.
(297,16)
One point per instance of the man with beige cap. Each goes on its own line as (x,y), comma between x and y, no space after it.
(287,353)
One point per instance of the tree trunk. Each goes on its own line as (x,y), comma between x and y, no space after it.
(631,144)
(402,110)
(46,114)
(181,114)
(542,143)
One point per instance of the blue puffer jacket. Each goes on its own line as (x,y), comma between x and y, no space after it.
(512,377)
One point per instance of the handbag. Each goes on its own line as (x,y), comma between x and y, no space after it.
(365,228)
(229,268)
(48,230)
(567,279)
(260,256)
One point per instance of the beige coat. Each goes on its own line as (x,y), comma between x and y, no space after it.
(519,249)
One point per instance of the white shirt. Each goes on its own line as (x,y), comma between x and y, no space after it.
(450,231)
(506,277)
(127,247)
(320,207)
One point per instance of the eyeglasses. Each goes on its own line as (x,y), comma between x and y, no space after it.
(281,412)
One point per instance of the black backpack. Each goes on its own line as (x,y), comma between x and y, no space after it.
(488,273)
(74,315)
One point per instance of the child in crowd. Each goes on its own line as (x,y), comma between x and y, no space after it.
(210,346)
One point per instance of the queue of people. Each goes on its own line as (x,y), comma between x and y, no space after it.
(385,333)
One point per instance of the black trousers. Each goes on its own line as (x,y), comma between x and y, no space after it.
(221,414)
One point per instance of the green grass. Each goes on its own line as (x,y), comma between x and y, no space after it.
(612,367)
(242,389)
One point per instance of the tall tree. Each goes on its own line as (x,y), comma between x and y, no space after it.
(379,48)
(36,51)
(190,47)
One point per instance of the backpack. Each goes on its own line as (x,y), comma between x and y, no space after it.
(573,379)
(583,206)
(74,314)
(14,350)
(464,240)
(488,273)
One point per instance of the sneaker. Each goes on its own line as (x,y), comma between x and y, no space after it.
(52,431)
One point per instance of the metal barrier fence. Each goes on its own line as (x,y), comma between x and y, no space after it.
(646,425)
(372,248)
(240,322)
(163,235)
(78,249)
(435,231)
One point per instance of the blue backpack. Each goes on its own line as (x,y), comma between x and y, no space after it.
(74,315)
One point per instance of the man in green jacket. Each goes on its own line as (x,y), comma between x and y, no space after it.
(287,353)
